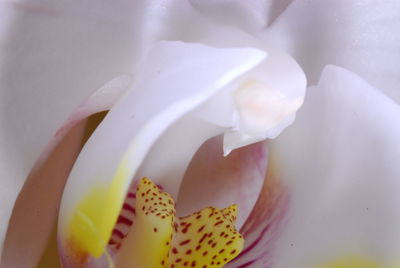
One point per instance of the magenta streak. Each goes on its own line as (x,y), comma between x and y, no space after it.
(129,208)
(246,264)
(118,233)
(124,220)
(254,244)
(160,187)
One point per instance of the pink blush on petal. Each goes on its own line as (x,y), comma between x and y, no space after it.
(265,223)
(214,180)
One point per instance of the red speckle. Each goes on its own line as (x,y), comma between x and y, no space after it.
(201,229)
(186,228)
(218,223)
(184,242)
(203,238)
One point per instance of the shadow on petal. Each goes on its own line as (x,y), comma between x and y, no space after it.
(214,180)
(35,211)
(265,223)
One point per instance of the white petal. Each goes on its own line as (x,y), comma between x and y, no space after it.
(340,163)
(52,57)
(362,36)
(171,154)
(174,78)
(251,15)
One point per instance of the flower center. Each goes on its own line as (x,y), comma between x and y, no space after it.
(158,238)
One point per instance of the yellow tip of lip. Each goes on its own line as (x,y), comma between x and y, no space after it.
(94,217)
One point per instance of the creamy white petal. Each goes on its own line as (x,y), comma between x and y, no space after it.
(362,36)
(339,161)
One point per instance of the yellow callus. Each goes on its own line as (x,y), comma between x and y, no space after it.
(148,242)
(207,238)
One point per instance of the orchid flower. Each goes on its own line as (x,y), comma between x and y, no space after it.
(181,133)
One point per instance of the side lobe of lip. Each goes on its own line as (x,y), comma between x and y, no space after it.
(265,223)
(36,207)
